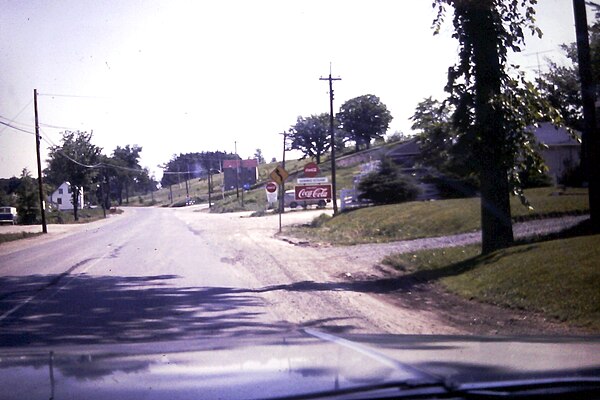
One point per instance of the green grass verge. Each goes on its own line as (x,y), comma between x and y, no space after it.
(436,218)
(9,237)
(86,215)
(558,278)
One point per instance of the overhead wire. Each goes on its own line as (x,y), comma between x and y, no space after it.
(15,127)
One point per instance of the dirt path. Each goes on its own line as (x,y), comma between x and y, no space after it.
(347,289)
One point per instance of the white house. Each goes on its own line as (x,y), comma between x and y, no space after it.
(62,198)
(563,151)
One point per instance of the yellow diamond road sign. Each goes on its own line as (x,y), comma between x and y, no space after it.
(279,174)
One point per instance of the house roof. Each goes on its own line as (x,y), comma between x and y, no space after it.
(550,135)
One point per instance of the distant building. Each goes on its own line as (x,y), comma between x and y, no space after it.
(563,152)
(62,198)
(237,173)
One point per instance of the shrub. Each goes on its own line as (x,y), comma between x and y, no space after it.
(320,220)
(387,186)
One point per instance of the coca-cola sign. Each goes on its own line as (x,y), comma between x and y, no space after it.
(313,192)
(311,170)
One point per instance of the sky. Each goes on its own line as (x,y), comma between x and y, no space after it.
(176,76)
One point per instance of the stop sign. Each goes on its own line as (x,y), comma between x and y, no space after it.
(311,170)
(271,187)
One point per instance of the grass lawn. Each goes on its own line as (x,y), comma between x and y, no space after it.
(437,218)
(9,237)
(559,279)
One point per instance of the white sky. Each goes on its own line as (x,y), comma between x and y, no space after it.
(186,76)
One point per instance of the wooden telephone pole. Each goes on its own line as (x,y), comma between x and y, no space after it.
(331,134)
(39,163)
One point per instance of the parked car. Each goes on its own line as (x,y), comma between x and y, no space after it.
(8,215)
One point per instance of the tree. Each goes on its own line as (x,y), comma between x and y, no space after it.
(387,185)
(258,155)
(28,201)
(75,161)
(363,119)
(127,167)
(493,108)
(193,165)
(311,136)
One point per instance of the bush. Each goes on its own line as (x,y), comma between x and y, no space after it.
(387,186)
(450,187)
(320,220)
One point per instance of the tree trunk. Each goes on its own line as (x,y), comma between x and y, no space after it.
(496,224)
(75,196)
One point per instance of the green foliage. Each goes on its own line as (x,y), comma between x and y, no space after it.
(188,166)
(363,119)
(561,85)
(493,109)
(311,136)
(28,199)
(9,237)
(439,142)
(387,185)
(320,220)
(75,161)
(258,155)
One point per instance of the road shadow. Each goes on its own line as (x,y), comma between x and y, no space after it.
(82,309)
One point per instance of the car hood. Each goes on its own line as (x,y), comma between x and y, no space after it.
(296,363)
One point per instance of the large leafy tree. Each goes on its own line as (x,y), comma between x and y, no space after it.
(493,108)
(310,135)
(438,139)
(75,161)
(127,169)
(363,119)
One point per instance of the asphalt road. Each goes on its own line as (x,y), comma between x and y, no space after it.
(143,276)
(155,274)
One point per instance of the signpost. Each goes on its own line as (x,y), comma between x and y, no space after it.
(279,175)
(271,189)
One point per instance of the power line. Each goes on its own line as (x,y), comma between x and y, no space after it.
(16,128)
(77,96)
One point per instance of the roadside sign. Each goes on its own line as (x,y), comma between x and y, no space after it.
(271,187)
(279,174)
(312,181)
(311,170)
(313,192)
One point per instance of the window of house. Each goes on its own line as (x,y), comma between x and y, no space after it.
(60,191)
(59,200)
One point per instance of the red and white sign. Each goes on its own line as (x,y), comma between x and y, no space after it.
(313,192)
(271,187)
(311,170)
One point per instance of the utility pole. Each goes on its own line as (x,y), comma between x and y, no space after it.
(209,181)
(333,186)
(39,163)
(590,134)
(187,188)
(237,171)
